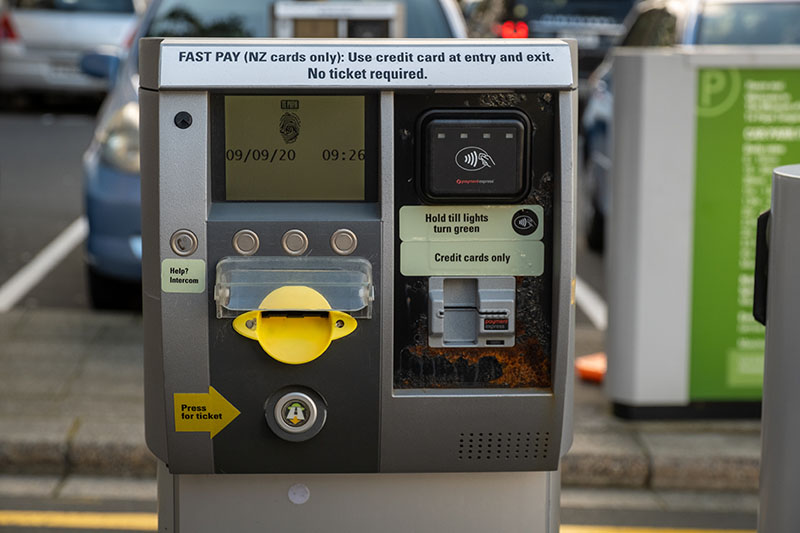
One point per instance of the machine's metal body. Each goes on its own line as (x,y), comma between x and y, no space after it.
(388,320)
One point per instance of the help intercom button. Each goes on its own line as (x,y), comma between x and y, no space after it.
(183,242)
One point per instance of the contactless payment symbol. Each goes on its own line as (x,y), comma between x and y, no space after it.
(473,158)
(525,222)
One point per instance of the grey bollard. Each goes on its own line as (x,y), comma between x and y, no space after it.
(779,511)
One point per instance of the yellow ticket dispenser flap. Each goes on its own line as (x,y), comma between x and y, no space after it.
(294,324)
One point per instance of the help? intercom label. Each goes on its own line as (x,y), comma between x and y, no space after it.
(183,275)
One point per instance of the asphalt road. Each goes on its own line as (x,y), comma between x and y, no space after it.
(41,193)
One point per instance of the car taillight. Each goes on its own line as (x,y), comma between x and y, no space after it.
(513,30)
(6,29)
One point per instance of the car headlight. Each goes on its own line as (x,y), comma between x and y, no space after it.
(119,140)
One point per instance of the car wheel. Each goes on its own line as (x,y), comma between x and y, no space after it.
(595,237)
(107,293)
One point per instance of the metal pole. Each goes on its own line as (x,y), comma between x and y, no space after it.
(779,511)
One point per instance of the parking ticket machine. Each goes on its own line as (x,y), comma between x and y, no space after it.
(358,272)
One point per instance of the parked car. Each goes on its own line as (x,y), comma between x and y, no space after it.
(111,163)
(595,24)
(42,41)
(669,23)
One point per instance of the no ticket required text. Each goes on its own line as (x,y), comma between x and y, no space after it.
(350,65)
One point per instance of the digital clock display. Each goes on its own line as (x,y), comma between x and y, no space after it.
(294,148)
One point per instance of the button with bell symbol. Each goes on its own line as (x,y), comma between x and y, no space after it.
(295,415)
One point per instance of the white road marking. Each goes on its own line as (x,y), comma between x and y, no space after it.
(27,277)
(591,304)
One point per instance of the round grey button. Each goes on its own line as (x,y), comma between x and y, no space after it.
(183,242)
(294,242)
(344,242)
(245,242)
(296,412)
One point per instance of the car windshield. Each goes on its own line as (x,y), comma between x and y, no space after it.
(252,18)
(753,24)
(97,6)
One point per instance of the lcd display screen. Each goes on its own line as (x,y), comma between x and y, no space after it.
(294,148)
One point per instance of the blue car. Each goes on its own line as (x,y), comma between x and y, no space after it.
(111,164)
(654,23)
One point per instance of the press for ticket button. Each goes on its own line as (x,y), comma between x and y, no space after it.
(294,324)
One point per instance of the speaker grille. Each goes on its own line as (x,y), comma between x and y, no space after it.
(502,446)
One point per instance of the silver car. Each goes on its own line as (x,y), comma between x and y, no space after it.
(42,41)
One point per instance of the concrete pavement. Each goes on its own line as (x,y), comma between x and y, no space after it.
(71,405)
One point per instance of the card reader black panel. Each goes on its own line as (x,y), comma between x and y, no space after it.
(475,155)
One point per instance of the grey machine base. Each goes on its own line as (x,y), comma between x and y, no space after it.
(348,503)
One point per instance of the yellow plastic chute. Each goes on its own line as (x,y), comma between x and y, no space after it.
(294,324)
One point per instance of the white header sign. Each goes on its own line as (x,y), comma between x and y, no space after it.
(389,64)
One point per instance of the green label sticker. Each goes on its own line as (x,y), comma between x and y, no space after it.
(183,275)
(472,223)
(479,258)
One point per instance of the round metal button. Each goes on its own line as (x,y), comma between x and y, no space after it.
(296,412)
(183,242)
(245,242)
(295,242)
(344,242)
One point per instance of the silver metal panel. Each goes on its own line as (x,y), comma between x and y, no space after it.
(780,432)
(415,424)
(386,294)
(389,503)
(650,229)
(166,499)
(149,54)
(564,242)
(155,415)
(553,517)
(184,188)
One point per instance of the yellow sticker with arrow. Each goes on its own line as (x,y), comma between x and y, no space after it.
(200,411)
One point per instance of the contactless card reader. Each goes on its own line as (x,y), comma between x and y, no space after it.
(475,156)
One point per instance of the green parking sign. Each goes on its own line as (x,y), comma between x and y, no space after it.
(748,123)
